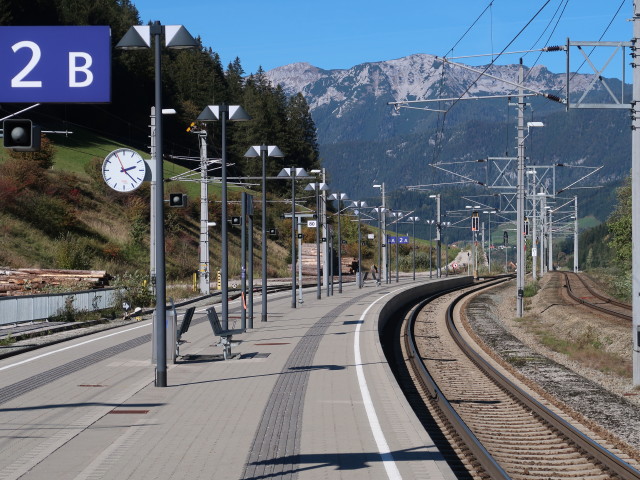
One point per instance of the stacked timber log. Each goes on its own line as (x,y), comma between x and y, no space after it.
(309,261)
(29,281)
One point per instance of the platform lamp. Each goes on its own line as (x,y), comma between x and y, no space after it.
(380,211)
(293,173)
(383,234)
(138,37)
(264,151)
(358,205)
(222,113)
(339,197)
(317,187)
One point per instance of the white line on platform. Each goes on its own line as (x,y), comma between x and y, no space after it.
(383,448)
(6,367)
(146,324)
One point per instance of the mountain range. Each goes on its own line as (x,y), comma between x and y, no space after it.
(363,140)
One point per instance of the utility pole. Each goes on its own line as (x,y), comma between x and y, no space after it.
(438,239)
(520,263)
(635,192)
(484,251)
(204,216)
(550,242)
(534,234)
(152,208)
(543,229)
(325,236)
(383,234)
(575,234)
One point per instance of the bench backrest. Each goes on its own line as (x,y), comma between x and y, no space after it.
(186,321)
(214,320)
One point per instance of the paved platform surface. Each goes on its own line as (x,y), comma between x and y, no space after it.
(308,395)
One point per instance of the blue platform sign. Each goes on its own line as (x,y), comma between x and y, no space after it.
(55,64)
(391,240)
(402,240)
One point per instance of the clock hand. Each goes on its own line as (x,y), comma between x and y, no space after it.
(125,171)
(130,168)
(121,165)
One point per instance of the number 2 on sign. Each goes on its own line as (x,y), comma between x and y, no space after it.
(19,82)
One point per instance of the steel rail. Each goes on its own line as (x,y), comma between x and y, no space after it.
(567,285)
(486,460)
(612,462)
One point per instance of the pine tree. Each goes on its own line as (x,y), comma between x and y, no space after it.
(300,143)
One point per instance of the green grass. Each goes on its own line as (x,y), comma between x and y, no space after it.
(588,222)
(530,289)
(588,348)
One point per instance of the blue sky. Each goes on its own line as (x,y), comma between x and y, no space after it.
(339,34)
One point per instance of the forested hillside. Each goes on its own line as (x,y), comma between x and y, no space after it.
(56,211)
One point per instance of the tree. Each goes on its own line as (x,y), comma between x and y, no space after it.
(301,142)
(620,226)
(43,158)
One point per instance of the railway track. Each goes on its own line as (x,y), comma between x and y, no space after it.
(494,426)
(580,291)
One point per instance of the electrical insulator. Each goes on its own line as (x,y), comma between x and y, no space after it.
(555,98)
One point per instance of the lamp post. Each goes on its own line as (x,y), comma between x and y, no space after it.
(339,197)
(177,37)
(292,173)
(264,151)
(438,236)
(383,235)
(413,220)
(380,211)
(234,113)
(317,187)
(359,205)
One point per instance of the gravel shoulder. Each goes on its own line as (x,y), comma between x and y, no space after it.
(604,401)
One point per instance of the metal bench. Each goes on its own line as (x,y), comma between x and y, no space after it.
(184,326)
(226,336)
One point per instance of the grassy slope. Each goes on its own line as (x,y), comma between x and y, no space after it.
(102,220)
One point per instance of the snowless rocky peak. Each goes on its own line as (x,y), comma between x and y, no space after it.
(418,76)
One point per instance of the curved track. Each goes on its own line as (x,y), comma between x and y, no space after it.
(507,433)
(580,291)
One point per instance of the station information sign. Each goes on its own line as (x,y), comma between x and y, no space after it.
(62,64)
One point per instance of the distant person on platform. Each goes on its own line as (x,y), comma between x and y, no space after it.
(374,272)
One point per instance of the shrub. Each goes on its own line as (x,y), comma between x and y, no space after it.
(73,252)
(531,289)
(133,288)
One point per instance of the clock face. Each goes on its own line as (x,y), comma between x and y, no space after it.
(124,170)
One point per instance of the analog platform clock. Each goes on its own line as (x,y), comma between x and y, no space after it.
(124,170)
